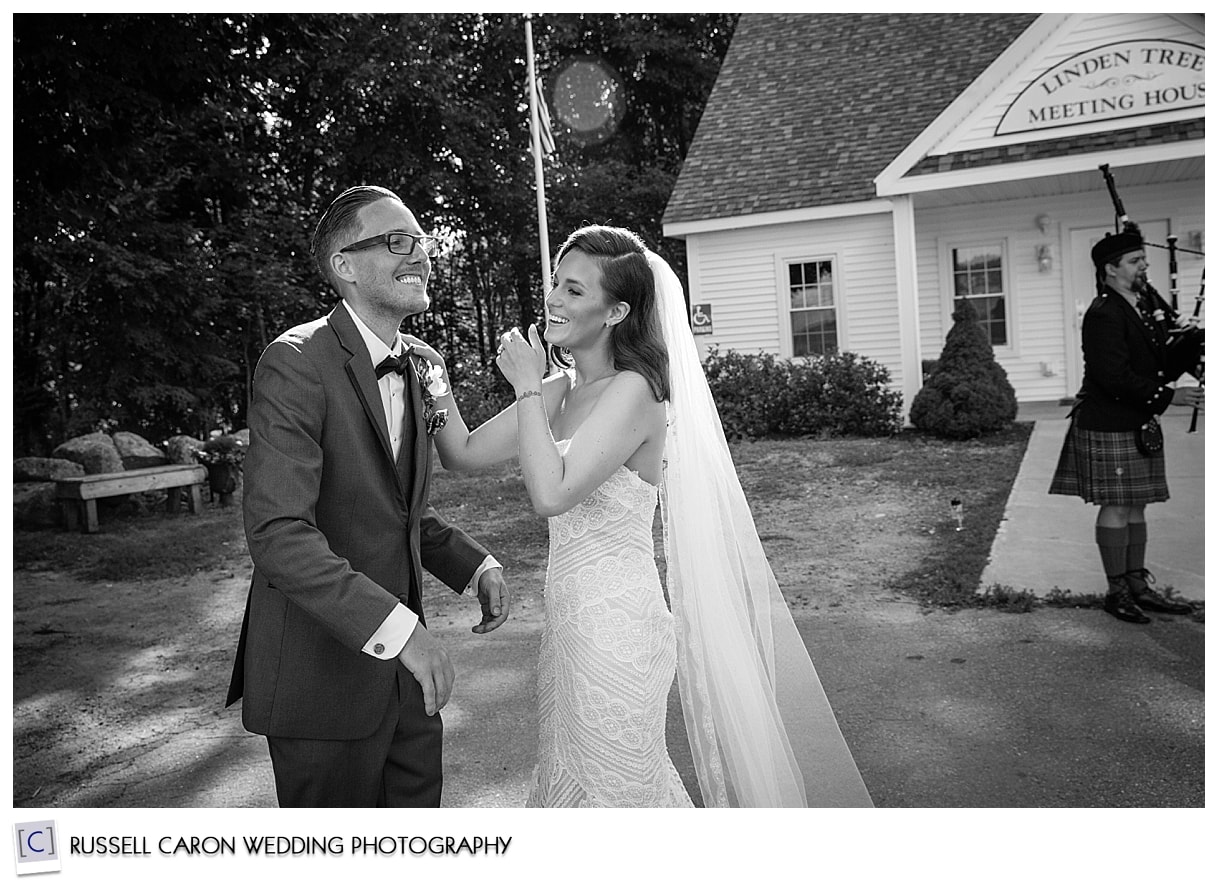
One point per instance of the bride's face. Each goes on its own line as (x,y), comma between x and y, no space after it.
(577,308)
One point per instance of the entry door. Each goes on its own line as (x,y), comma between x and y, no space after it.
(1080,286)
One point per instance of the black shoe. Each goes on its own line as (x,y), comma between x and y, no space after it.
(1120,602)
(1148,597)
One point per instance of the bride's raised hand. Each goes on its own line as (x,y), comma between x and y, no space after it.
(522,362)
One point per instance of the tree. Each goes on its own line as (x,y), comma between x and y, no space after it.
(128,150)
(169,169)
(968,393)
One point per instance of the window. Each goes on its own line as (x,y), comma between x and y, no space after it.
(813,308)
(978,278)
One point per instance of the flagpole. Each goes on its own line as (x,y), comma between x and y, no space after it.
(543,232)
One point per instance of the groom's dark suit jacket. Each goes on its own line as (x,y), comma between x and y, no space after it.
(338,533)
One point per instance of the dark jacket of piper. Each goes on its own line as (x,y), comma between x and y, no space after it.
(1128,362)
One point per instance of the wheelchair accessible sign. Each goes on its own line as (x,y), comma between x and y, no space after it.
(701,320)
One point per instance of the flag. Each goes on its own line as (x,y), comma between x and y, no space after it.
(543,116)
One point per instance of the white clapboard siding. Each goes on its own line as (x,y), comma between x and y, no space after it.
(738,276)
(1080,33)
(1039,306)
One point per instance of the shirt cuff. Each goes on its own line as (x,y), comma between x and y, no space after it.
(391,636)
(488,564)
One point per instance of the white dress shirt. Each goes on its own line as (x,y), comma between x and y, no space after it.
(387,641)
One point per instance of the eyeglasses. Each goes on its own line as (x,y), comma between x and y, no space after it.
(398,243)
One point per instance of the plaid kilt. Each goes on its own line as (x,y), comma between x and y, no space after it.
(1106,468)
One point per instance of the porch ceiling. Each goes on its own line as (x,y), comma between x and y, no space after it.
(1128,176)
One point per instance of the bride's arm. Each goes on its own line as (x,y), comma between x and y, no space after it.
(494,441)
(625,416)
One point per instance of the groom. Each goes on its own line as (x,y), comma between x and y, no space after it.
(335,664)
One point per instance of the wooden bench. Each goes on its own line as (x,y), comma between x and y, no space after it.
(78,496)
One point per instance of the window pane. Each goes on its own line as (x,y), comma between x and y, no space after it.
(977,277)
(813,318)
(996,309)
(821,321)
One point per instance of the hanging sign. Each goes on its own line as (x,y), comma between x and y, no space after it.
(1118,80)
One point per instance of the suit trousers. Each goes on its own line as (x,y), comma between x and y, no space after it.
(400,765)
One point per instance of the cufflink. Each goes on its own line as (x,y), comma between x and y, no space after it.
(379,648)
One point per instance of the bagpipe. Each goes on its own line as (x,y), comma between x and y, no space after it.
(1184,333)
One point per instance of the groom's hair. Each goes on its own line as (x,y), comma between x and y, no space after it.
(637,341)
(339,224)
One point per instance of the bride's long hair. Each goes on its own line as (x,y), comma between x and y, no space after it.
(636,342)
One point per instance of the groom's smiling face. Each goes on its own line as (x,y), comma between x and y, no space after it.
(396,283)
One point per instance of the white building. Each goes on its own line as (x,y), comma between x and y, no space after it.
(853,174)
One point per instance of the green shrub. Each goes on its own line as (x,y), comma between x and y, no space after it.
(968,394)
(750,391)
(760,395)
(843,394)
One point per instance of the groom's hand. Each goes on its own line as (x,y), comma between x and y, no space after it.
(494,599)
(424,657)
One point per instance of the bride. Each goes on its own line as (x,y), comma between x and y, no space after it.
(627,423)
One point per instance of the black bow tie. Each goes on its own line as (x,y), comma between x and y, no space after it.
(393,364)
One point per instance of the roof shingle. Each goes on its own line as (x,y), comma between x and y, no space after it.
(808,109)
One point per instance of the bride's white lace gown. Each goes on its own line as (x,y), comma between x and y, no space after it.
(608,657)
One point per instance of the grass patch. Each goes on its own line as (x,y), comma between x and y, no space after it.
(980,472)
(137,543)
(877,510)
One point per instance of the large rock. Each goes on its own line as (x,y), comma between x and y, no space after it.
(136,452)
(181,449)
(43,468)
(34,505)
(95,451)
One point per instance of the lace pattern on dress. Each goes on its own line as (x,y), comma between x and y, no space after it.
(608,657)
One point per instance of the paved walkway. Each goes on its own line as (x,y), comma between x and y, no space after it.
(1047,542)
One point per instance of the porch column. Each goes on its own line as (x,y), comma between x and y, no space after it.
(905,253)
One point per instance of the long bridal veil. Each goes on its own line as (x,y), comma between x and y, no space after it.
(760,726)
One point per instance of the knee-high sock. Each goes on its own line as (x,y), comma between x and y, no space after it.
(1113,543)
(1135,552)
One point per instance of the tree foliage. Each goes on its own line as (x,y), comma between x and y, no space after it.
(169,169)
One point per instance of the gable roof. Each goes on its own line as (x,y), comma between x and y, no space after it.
(967,137)
(776,133)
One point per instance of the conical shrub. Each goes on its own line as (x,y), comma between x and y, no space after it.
(968,394)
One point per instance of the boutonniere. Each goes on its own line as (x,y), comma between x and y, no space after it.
(431,381)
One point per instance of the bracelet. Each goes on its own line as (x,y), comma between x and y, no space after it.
(523,395)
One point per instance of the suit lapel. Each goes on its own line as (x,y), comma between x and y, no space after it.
(416,456)
(363,377)
(1133,315)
